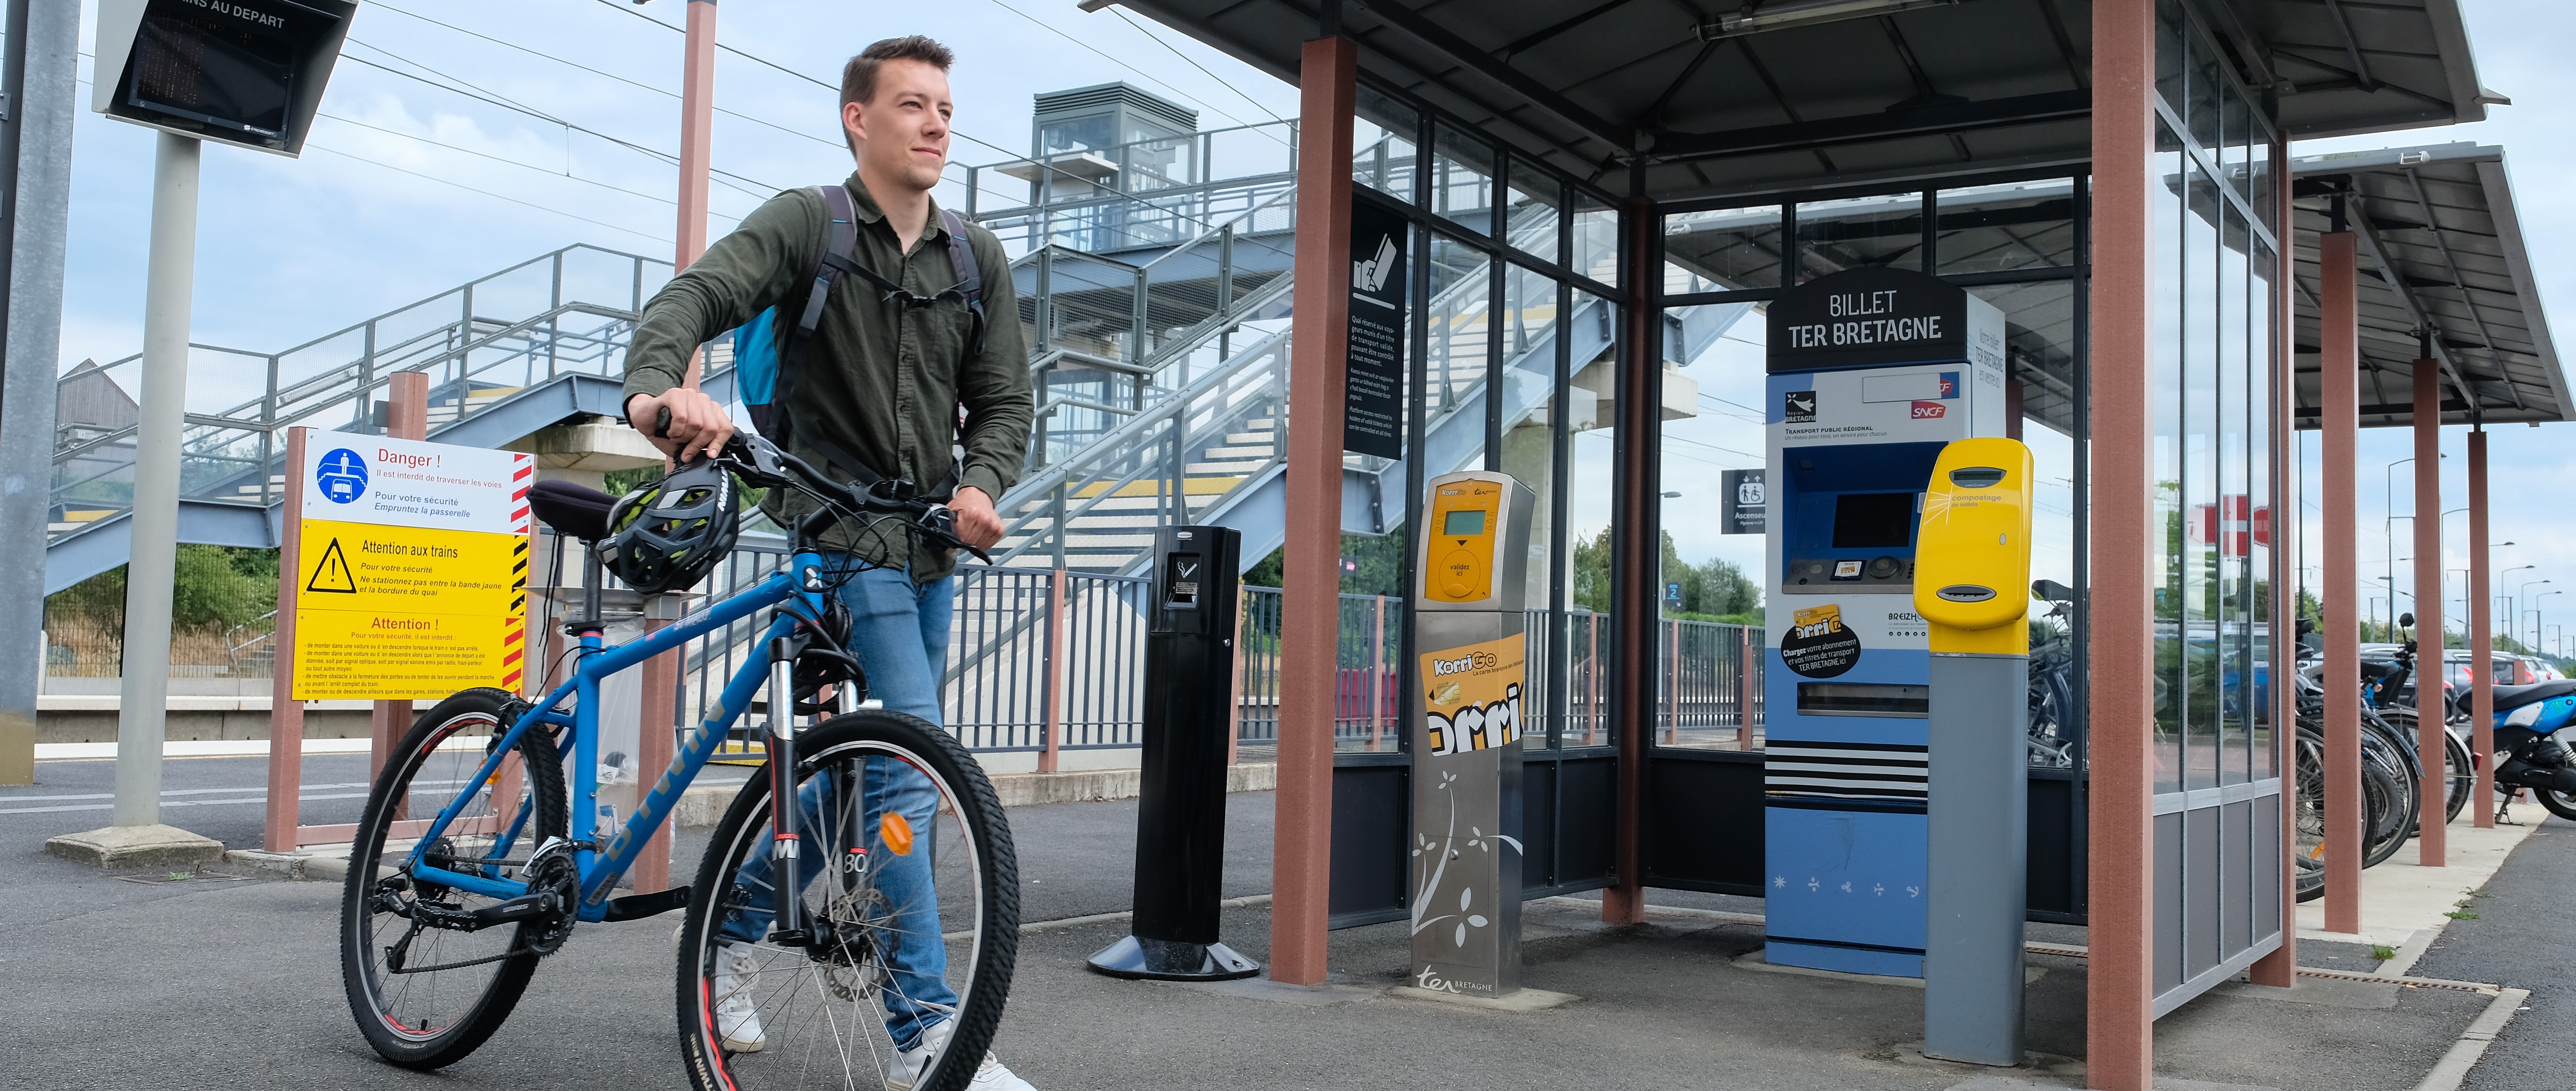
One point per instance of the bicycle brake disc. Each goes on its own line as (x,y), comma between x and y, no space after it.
(862,941)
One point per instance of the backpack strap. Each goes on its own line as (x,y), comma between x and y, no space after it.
(970,275)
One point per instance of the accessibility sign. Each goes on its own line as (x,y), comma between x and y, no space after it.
(411,569)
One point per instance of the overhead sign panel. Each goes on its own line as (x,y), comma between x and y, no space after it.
(245,72)
(412,568)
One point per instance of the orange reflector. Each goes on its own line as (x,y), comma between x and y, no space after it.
(896,831)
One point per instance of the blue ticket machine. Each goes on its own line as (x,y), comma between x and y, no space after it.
(1871,372)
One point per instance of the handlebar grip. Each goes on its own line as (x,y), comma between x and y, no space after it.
(662,422)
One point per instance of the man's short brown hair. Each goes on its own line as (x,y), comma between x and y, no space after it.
(859,77)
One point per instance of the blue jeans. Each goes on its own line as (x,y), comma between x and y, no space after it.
(899,631)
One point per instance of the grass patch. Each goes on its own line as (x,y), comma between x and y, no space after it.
(2382,952)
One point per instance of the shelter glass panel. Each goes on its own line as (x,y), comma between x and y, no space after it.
(1462,180)
(1530,327)
(2167,393)
(2200,479)
(1596,239)
(1461,288)
(2262,307)
(2017,225)
(2039,344)
(1722,250)
(1533,211)
(2231,523)
(1884,231)
(1384,157)
(2204,91)
(1710,643)
(1590,414)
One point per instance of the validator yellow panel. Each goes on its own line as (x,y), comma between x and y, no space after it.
(1458,558)
(1972,559)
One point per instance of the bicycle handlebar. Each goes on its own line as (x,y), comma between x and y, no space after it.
(757,460)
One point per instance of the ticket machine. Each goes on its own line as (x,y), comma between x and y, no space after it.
(1465,879)
(1871,373)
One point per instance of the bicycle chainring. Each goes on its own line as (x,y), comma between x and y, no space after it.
(553,869)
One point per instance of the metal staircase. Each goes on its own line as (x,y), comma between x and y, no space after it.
(507,354)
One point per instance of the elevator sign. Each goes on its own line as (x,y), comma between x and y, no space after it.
(411,568)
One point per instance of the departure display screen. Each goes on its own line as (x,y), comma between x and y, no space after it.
(1463,523)
(1874,520)
(232,65)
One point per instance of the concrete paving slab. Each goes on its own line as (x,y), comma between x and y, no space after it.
(2327,991)
(155,845)
(2400,897)
(1524,1000)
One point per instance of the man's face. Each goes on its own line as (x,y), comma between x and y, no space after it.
(903,133)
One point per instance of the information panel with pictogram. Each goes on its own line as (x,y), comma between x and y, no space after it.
(412,569)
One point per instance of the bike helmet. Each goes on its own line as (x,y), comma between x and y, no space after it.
(667,535)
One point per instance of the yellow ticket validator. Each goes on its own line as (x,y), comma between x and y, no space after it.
(1972,560)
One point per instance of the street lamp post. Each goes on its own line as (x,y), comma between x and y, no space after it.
(2535,616)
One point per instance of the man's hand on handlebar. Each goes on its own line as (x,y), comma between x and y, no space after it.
(685,424)
(977,524)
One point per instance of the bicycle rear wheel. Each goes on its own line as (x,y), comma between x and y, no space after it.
(910,891)
(426,997)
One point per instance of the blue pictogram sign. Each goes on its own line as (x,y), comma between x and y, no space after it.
(342,476)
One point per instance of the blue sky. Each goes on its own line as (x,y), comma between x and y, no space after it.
(377,214)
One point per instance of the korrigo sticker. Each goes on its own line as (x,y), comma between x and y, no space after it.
(1819,645)
(1471,695)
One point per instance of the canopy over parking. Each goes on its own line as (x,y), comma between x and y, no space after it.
(2446,276)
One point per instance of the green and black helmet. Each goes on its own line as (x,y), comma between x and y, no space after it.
(667,535)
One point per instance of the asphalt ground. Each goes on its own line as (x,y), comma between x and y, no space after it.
(2519,939)
(220,983)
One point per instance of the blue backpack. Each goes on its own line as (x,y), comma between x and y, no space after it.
(770,350)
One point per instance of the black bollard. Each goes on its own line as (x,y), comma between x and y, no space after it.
(1180,811)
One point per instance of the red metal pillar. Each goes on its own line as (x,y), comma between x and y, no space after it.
(697,145)
(1635,568)
(2482,797)
(406,417)
(2338,428)
(659,714)
(2120,1012)
(1310,604)
(2432,843)
(285,713)
(2280,968)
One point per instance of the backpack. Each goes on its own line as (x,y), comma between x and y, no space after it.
(769,350)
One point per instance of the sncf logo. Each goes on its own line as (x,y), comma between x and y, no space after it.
(1930,410)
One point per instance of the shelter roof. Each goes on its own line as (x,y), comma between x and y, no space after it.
(1905,89)
(2441,251)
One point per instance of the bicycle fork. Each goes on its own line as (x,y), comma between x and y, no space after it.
(786,893)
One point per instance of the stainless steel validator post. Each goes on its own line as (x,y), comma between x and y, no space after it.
(1473,577)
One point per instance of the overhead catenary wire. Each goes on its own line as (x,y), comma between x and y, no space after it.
(468,90)
(639,84)
(312,145)
(1175,51)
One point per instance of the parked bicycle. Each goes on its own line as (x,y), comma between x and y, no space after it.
(889,963)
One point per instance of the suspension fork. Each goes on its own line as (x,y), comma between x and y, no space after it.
(788,928)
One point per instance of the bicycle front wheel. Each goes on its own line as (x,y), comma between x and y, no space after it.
(424,996)
(910,902)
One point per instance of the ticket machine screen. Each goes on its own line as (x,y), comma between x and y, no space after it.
(1874,520)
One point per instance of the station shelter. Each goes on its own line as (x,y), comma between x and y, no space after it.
(1589,199)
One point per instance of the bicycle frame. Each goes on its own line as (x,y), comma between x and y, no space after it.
(600,867)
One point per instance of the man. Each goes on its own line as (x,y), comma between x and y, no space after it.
(881,385)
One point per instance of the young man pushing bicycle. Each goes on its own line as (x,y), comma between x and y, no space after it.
(897,350)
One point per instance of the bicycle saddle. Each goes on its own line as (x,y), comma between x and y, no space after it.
(2517,696)
(571,509)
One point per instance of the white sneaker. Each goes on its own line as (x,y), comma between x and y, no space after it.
(990,1076)
(737,1020)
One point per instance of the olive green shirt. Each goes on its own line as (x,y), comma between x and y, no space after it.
(883,382)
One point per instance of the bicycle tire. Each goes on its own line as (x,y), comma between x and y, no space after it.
(430,1047)
(2459,777)
(846,966)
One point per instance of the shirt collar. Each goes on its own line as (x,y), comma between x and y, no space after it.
(864,206)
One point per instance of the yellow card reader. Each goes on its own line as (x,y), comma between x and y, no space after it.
(1972,559)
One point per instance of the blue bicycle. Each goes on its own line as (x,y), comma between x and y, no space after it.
(889,965)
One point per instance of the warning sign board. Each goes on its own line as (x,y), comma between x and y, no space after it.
(411,569)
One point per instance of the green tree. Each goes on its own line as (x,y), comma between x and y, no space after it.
(1712,590)
(1380,559)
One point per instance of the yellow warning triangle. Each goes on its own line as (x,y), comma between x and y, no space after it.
(332,575)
